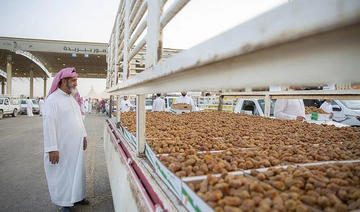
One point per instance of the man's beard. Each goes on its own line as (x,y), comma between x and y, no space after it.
(72,90)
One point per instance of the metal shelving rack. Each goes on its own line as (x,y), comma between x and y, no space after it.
(298,43)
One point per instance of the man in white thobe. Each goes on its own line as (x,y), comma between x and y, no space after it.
(326,106)
(125,104)
(89,106)
(158,104)
(291,109)
(29,106)
(185,99)
(41,106)
(64,142)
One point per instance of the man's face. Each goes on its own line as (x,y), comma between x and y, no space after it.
(71,84)
(125,97)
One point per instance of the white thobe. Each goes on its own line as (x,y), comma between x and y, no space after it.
(289,108)
(90,107)
(29,106)
(64,132)
(125,105)
(326,107)
(158,105)
(41,106)
(186,100)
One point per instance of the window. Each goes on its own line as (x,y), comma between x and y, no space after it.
(272,105)
(352,104)
(1,101)
(148,102)
(248,106)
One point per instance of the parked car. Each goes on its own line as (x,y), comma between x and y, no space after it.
(346,111)
(23,105)
(253,107)
(8,106)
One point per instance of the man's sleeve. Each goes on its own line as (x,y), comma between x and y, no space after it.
(279,109)
(49,125)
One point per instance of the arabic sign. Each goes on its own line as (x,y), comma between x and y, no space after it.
(84,50)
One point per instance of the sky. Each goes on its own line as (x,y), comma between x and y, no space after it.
(93,20)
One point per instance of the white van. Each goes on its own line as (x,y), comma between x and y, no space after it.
(346,111)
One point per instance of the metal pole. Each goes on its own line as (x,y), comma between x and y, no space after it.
(140,124)
(9,74)
(125,63)
(31,81)
(45,79)
(267,105)
(118,108)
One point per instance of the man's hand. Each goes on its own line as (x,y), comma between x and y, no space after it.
(300,118)
(84,143)
(54,157)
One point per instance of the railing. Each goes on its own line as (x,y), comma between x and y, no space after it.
(298,43)
(126,44)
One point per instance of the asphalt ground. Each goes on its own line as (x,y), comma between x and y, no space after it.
(23,185)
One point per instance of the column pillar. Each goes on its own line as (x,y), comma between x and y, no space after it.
(45,86)
(2,85)
(31,82)
(9,74)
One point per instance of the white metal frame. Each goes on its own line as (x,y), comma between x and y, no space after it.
(297,43)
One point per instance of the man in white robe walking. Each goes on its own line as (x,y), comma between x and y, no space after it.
(64,142)
(29,106)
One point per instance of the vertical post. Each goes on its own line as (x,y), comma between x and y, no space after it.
(140,123)
(221,102)
(267,105)
(118,108)
(153,34)
(2,85)
(111,105)
(31,81)
(153,41)
(125,63)
(45,79)
(117,38)
(9,74)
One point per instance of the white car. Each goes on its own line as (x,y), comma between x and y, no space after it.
(23,105)
(346,111)
(253,107)
(8,106)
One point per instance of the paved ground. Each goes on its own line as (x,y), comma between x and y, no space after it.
(22,178)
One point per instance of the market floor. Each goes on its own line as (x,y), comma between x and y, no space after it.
(23,185)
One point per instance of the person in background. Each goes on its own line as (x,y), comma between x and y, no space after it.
(185,99)
(125,104)
(102,103)
(29,106)
(327,107)
(41,105)
(86,105)
(64,142)
(159,103)
(90,106)
(291,109)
